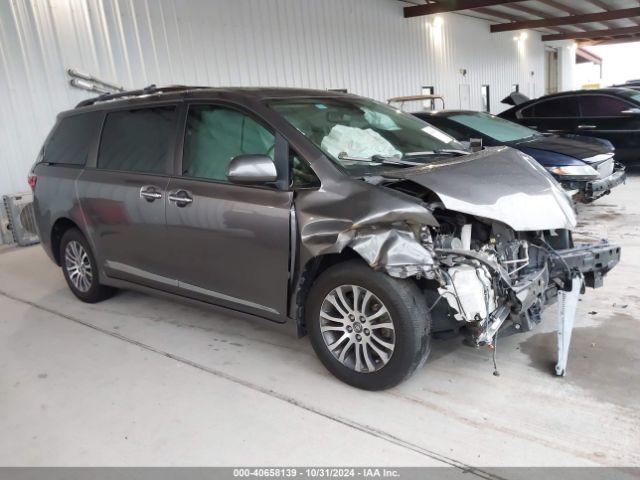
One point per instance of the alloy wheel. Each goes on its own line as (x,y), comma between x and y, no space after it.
(357,328)
(78,266)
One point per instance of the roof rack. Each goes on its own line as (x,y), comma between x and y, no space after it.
(151,89)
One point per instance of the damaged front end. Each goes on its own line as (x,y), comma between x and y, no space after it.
(488,259)
(492,279)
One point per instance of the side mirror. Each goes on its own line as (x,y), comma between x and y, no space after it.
(633,112)
(252,170)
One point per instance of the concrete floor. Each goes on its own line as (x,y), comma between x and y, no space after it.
(137,380)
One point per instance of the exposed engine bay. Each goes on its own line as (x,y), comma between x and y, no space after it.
(490,278)
(488,274)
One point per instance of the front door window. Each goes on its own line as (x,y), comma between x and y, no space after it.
(217,134)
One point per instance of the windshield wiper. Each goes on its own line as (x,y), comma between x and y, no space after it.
(379,160)
(439,152)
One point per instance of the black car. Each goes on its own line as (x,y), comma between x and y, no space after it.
(579,163)
(609,113)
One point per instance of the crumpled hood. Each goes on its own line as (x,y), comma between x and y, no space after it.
(572,147)
(498,183)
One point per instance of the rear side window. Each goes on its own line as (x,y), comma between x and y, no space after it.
(215,135)
(72,139)
(602,106)
(137,140)
(563,107)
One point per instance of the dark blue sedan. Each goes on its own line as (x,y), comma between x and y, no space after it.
(585,165)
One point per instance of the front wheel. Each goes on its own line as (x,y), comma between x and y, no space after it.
(370,330)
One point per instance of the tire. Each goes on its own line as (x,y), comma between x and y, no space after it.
(403,306)
(83,281)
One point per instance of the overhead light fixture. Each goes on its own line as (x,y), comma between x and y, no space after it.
(521,38)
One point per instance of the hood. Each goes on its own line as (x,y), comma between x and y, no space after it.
(498,183)
(572,147)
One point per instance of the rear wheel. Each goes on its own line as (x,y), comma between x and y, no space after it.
(370,330)
(80,268)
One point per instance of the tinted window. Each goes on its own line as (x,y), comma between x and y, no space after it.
(72,139)
(137,140)
(528,112)
(602,106)
(215,135)
(302,175)
(557,107)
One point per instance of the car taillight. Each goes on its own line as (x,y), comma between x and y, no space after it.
(31,180)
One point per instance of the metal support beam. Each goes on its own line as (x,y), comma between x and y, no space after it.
(513,18)
(606,8)
(445,6)
(572,11)
(540,14)
(611,41)
(568,20)
(592,34)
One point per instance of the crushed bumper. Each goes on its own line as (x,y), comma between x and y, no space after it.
(593,261)
(603,186)
(590,191)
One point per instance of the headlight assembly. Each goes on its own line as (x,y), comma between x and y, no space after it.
(574,172)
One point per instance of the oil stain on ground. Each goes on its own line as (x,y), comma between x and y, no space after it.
(603,359)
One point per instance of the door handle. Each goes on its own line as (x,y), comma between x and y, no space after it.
(181,198)
(586,127)
(150,193)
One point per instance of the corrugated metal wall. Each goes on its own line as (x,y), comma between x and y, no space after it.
(363,45)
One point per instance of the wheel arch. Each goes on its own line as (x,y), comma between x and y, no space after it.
(59,228)
(311,270)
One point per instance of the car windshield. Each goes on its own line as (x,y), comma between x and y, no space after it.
(494,127)
(365,136)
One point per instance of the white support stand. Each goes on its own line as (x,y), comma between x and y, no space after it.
(567,306)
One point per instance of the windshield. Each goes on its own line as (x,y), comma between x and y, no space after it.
(363,135)
(494,127)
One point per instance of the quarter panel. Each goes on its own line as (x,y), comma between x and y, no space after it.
(54,198)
